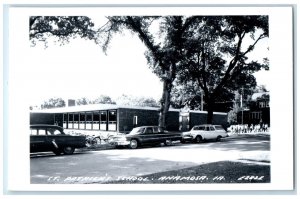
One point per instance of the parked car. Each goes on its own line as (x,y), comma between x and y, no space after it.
(146,135)
(203,132)
(52,138)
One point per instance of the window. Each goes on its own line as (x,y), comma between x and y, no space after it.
(89,121)
(42,132)
(135,120)
(149,130)
(33,132)
(157,130)
(218,127)
(256,115)
(53,131)
(103,120)
(70,121)
(96,121)
(82,121)
(65,119)
(112,120)
(201,128)
(76,121)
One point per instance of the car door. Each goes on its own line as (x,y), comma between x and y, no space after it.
(206,133)
(212,134)
(55,138)
(147,135)
(39,140)
(159,135)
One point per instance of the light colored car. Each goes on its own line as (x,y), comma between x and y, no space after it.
(203,132)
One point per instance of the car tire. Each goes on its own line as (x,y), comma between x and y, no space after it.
(68,150)
(219,139)
(96,141)
(168,142)
(133,144)
(198,139)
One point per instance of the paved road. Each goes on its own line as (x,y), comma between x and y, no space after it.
(106,165)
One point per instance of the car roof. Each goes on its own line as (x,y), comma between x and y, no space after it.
(145,126)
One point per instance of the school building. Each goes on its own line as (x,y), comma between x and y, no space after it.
(110,117)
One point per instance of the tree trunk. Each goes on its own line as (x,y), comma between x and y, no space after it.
(165,103)
(210,110)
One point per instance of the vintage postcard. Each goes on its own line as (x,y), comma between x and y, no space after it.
(154,98)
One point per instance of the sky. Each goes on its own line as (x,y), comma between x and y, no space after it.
(80,69)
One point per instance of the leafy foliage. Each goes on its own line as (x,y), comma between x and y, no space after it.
(103,99)
(83,101)
(53,103)
(216,59)
(128,100)
(61,27)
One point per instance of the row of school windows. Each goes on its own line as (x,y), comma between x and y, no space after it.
(97,120)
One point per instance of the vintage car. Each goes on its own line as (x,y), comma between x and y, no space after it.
(52,138)
(203,132)
(146,135)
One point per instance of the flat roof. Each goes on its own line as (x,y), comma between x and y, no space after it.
(99,107)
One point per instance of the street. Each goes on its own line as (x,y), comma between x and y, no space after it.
(113,165)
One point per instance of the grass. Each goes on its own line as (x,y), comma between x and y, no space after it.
(217,172)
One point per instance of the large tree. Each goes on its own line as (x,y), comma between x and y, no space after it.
(215,57)
(164,46)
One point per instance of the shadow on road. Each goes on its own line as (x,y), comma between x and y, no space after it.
(243,143)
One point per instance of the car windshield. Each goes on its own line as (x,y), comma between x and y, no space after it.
(219,127)
(137,131)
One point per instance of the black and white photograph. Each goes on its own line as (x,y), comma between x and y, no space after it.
(210,125)
(137,98)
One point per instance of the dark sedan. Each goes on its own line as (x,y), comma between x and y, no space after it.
(146,135)
(52,138)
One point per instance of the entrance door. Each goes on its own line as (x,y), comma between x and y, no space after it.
(184,123)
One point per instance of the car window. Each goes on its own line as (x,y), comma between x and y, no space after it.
(149,130)
(33,132)
(211,128)
(155,129)
(207,128)
(42,132)
(219,128)
(137,131)
(53,131)
(202,128)
(196,128)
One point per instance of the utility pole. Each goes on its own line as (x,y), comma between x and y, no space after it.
(242,105)
(201,100)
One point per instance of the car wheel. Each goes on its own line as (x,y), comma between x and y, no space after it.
(168,142)
(96,141)
(198,139)
(218,138)
(68,150)
(133,144)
